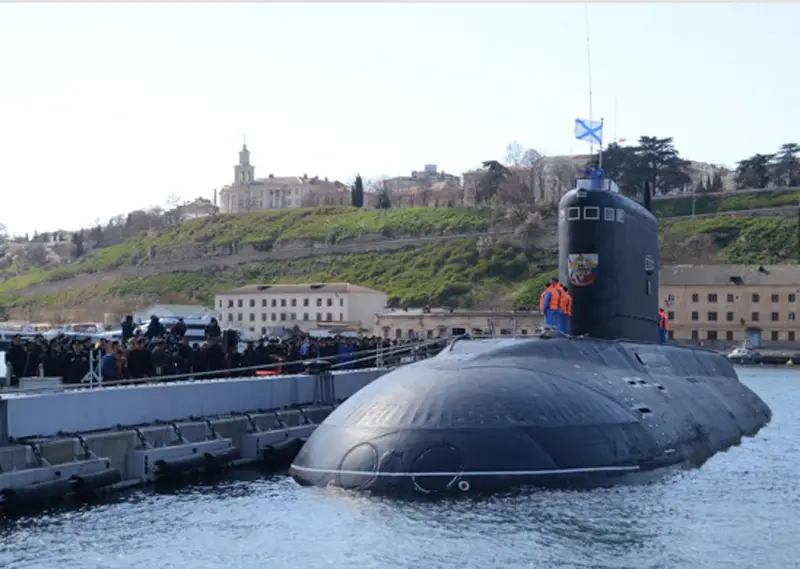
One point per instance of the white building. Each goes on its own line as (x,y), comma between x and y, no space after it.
(172,311)
(308,306)
(248,193)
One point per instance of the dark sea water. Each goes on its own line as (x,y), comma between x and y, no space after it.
(740,510)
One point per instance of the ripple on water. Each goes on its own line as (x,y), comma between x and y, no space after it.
(738,511)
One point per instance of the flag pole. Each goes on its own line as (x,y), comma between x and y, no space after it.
(600,159)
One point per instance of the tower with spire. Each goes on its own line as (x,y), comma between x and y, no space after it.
(244,172)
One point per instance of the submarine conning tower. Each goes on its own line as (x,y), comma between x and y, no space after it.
(608,259)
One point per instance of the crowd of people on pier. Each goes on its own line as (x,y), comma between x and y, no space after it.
(161,352)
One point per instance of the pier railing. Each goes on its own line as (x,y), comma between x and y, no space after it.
(383,358)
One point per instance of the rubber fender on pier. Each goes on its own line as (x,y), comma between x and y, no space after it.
(35,494)
(280,456)
(89,483)
(267,372)
(218,460)
(205,461)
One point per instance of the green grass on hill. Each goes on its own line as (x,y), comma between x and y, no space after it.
(460,272)
(676,207)
(758,240)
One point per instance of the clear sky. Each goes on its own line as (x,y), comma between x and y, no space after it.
(105,108)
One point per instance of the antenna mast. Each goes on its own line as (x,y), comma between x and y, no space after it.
(589,67)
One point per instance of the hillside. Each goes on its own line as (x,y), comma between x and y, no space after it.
(419,256)
(705,204)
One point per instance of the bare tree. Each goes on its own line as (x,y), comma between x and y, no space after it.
(423,195)
(3,233)
(172,201)
(519,155)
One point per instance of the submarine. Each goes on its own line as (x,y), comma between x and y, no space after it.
(593,406)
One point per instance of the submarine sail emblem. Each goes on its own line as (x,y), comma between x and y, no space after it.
(582,268)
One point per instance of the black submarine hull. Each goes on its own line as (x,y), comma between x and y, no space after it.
(493,415)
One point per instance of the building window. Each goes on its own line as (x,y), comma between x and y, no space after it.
(524,332)
(274,303)
(695,297)
(398,333)
(775,298)
(730,298)
(729,316)
(283,317)
(671,315)
(283,302)
(252,317)
(319,302)
(792,298)
(230,316)
(263,330)
(263,316)
(305,315)
(319,317)
(790,335)
(754,316)
(712,316)
(670,298)
(252,303)
(792,317)
(341,317)
(711,335)
(230,303)
(263,303)
(341,302)
(239,317)
(273,317)
(330,302)
(294,302)
(695,335)
(293,316)
(712,297)
(729,335)
(329,317)
(671,334)
(305,302)
(429,334)
(755,297)
(774,316)
(239,303)
(695,316)
(774,336)
(220,303)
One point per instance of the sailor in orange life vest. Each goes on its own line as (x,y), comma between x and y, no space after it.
(551,303)
(566,309)
(663,326)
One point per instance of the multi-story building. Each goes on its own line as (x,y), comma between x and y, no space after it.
(731,303)
(429,175)
(431,323)
(307,306)
(248,193)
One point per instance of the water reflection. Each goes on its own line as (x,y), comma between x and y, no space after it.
(737,512)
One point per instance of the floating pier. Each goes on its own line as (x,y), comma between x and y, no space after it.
(57,444)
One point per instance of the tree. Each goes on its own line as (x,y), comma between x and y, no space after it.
(357,192)
(383,200)
(786,166)
(77,241)
(753,172)
(717,184)
(654,160)
(172,201)
(490,180)
(3,233)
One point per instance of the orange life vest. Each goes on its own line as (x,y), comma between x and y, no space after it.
(541,298)
(567,304)
(562,303)
(663,321)
(555,297)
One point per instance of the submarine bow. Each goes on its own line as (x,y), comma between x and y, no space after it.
(599,403)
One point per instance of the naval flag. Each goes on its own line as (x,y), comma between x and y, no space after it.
(589,131)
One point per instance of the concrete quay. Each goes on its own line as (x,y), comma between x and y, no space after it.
(62,444)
